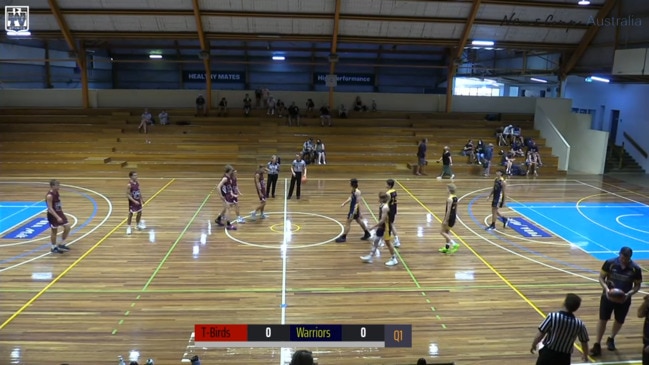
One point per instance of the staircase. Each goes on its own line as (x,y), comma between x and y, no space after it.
(618,160)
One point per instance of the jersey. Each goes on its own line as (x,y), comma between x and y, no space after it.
(226,189)
(384,229)
(392,204)
(134,192)
(58,208)
(452,210)
(354,208)
(261,189)
(497,190)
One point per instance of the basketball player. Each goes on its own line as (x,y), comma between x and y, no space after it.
(56,218)
(135,202)
(236,193)
(393,210)
(498,201)
(227,196)
(354,214)
(298,168)
(273,175)
(382,232)
(449,221)
(261,193)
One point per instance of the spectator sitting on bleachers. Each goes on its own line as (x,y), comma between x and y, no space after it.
(342,111)
(247,103)
(325,115)
(532,163)
(164,117)
(308,151)
(145,121)
(223,106)
(310,105)
(479,152)
(358,105)
(500,137)
(468,151)
(201,107)
(281,108)
(293,115)
(517,149)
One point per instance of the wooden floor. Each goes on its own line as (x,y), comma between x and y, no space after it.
(113,294)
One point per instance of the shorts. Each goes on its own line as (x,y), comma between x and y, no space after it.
(380,232)
(262,195)
(421,161)
(620,310)
(230,199)
(495,203)
(55,223)
(354,215)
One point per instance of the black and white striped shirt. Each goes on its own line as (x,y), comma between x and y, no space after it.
(273,168)
(561,330)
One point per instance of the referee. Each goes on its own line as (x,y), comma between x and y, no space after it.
(558,332)
(298,167)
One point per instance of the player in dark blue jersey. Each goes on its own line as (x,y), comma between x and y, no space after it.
(498,201)
(354,214)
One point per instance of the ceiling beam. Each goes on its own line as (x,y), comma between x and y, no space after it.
(204,48)
(587,38)
(321,16)
(78,52)
(297,38)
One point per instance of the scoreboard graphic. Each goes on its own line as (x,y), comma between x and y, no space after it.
(304,335)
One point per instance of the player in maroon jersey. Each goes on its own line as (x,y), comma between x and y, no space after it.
(56,218)
(227,196)
(260,185)
(135,202)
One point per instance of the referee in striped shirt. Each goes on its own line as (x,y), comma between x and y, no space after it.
(558,332)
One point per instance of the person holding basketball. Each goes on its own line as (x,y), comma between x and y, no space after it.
(56,217)
(498,201)
(618,275)
(354,214)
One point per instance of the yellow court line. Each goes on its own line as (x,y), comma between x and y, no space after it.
(75,263)
(484,261)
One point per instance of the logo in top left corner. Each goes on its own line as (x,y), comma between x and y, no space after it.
(17,20)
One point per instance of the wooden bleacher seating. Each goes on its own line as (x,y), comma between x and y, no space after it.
(106,140)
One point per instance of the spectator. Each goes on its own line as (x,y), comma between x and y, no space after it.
(358,105)
(320,152)
(342,111)
(145,121)
(302,357)
(308,151)
(421,157)
(247,104)
(532,163)
(201,107)
(468,151)
(479,152)
(325,115)
(223,106)
(281,108)
(421,361)
(258,97)
(447,162)
(270,105)
(486,161)
(374,105)
(293,115)
(265,95)
(164,117)
(310,105)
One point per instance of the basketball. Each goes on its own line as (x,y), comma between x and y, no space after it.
(616,295)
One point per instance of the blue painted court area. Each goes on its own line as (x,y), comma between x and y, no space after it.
(13,214)
(600,229)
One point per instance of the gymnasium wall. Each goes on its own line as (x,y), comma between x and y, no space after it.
(630,99)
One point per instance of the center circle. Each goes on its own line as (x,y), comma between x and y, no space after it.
(279,243)
(272,228)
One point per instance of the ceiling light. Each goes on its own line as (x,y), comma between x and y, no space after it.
(600,79)
(155,56)
(482,43)
(583,2)
(279,58)
(539,80)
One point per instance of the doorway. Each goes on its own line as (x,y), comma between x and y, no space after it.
(615,120)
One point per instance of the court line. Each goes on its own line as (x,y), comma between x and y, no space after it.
(284,249)
(614,194)
(99,225)
(601,225)
(486,263)
(75,263)
(625,189)
(294,290)
(617,219)
(166,256)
